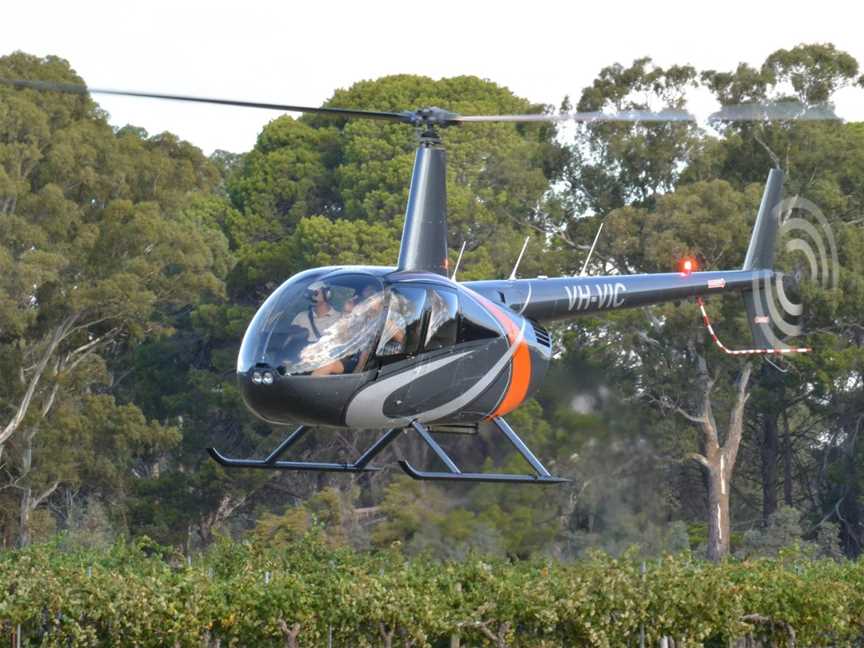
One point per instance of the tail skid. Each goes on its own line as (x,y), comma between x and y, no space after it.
(760,257)
(755,351)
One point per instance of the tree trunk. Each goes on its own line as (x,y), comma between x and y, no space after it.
(718,506)
(770,454)
(227,505)
(26,505)
(787,462)
(24,516)
(29,502)
(290,634)
(386,635)
(718,461)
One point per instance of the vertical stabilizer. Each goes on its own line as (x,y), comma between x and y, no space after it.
(760,256)
(760,253)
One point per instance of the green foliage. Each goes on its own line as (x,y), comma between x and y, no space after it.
(241,594)
(132,236)
(783,531)
(815,72)
(103,236)
(322,514)
(319,191)
(615,164)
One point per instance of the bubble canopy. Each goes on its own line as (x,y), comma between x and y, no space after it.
(317,323)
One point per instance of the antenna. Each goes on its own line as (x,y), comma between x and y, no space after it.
(458,261)
(591,251)
(519,260)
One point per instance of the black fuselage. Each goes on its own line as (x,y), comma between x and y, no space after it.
(488,351)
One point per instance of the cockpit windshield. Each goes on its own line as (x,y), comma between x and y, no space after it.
(317,325)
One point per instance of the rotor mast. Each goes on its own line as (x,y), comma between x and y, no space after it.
(424,235)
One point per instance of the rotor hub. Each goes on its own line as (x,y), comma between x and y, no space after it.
(429,117)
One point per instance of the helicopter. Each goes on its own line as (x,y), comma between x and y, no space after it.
(410,349)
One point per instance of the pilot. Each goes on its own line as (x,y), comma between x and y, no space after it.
(320,314)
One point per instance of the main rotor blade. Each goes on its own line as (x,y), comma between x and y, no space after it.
(80,89)
(767,111)
(773,111)
(776,111)
(624,116)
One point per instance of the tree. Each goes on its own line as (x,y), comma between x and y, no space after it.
(93,253)
(340,186)
(814,72)
(822,162)
(657,354)
(676,369)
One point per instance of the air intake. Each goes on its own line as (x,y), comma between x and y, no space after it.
(542,335)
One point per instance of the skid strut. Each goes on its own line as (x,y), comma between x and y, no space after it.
(272,462)
(453,473)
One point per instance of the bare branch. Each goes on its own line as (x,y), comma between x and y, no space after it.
(698,458)
(736,419)
(49,402)
(701,420)
(104,337)
(46,494)
(774,157)
(27,399)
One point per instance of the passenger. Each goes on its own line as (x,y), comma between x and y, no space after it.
(366,304)
(354,361)
(393,336)
(357,361)
(360,296)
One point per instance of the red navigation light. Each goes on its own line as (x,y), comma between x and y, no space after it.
(687,266)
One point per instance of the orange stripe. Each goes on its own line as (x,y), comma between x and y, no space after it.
(519,381)
(520,375)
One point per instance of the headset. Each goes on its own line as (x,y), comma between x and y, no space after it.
(316,286)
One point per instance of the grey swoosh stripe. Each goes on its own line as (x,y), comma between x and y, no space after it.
(366,410)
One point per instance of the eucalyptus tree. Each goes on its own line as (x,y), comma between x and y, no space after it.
(94,251)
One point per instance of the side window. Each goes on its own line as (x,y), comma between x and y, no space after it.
(442,328)
(404,324)
(475,323)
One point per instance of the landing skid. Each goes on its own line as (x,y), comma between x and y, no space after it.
(453,473)
(361,464)
(271,462)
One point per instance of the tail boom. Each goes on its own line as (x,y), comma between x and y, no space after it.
(547,300)
(561,298)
